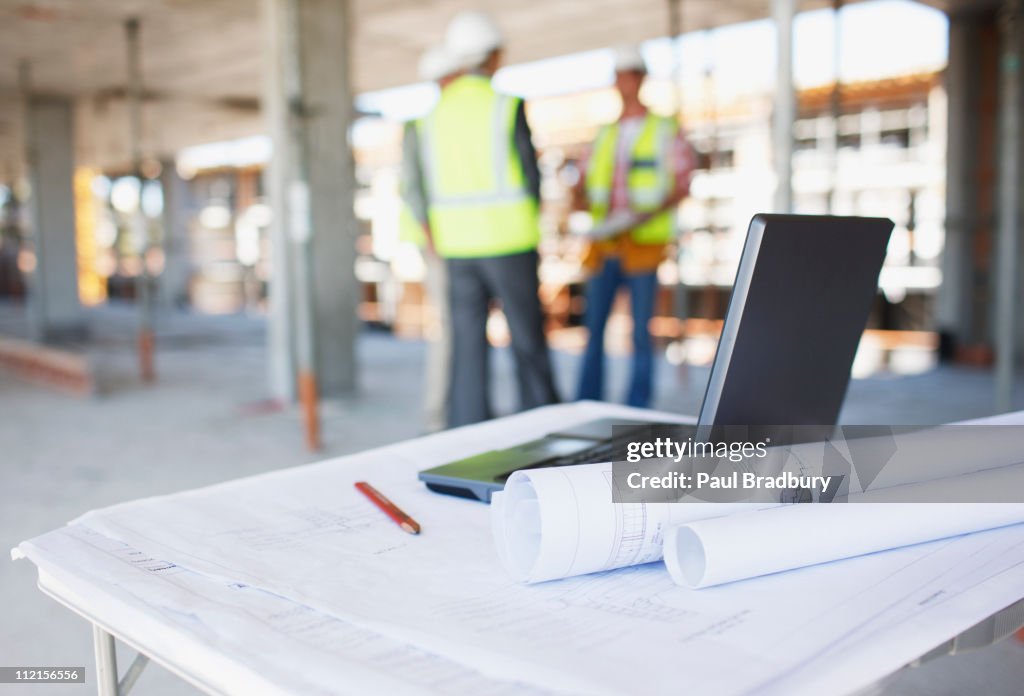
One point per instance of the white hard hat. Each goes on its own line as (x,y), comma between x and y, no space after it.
(471,36)
(628,58)
(435,63)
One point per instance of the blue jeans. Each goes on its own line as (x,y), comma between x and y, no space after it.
(601,291)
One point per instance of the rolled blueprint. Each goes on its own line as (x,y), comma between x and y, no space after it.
(614,224)
(560,522)
(711,552)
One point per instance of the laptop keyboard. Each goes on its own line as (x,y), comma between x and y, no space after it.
(599,452)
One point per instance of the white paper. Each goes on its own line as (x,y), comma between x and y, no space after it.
(716,551)
(237,638)
(560,522)
(956,596)
(616,223)
(738,547)
(305,534)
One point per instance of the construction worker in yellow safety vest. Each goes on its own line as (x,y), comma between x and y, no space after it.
(482,185)
(438,67)
(637,173)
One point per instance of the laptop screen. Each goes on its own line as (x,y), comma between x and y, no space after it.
(802,296)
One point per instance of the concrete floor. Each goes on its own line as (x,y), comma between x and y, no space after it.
(61,456)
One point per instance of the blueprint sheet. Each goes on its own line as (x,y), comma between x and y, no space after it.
(306,534)
(237,638)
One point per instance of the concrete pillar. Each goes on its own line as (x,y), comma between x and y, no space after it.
(281,316)
(1007,283)
(784,111)
(311,184)
(54,308)
(174,281)
(964,304)
(835,104)
(952,307)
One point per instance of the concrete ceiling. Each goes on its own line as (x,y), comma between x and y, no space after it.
(201,58)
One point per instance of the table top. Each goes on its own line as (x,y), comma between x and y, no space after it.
(229,634)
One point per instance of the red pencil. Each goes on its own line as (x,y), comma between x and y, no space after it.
(390,509)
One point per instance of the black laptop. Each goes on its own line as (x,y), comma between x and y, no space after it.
(801,298)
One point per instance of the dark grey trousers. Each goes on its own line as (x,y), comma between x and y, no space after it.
(472,285)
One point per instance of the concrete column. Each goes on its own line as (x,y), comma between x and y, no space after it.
(784,112)
(1007,285)
(311,185)
(952,306)
(174,281)
(146,341)
(281,317)
(835,103)
(964,304)
(54,308)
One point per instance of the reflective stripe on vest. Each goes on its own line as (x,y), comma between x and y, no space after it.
(479,204)
(649,181)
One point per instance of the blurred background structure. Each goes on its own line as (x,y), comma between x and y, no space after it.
(200,198)
(138,138)
(194,155)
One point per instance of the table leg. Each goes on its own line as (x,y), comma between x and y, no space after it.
(106,662)
(133,674)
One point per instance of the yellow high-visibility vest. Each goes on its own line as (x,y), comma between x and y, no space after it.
(478,199)
(650,181)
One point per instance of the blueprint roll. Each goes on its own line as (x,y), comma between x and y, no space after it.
(561,522)
(712,552)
